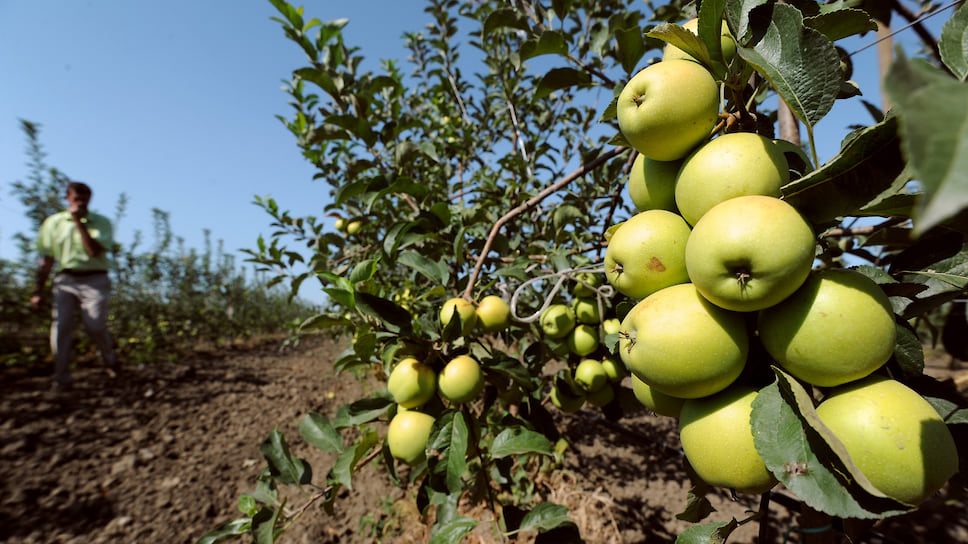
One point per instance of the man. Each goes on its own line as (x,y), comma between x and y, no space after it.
(77,239)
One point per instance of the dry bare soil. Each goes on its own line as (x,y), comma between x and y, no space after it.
(162,454)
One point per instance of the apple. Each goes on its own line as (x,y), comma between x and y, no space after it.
(647,253)
(586,284)
(838,327)
(407,436)
(493,314)
(411,383)
(726,43)
(893,435)
(717,439)
(465,312)
(680,344)
(590,375)
(586,311)
(583,339)
(565,398)
(652,184)
(732,165)
(657,401)
(668,108)
(750,252)
(353,227)
(612,325)
(339,224)
(461,380)
(557,320)
(601,396)
(615,370)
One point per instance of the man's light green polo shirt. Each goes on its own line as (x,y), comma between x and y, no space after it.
(60,239)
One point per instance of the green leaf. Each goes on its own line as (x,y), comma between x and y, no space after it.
(801,63)
(560,78)
(933,111)
(452,531)
(320,433)
(505,18)
(864,169)
(546,516)
(698,506)
(513,441)
(385,311)
(364,270)
(954,280)
(434,271)
(451,441)
(361,411)
(807,458)
(264,525)
(953,44)
(709,533)
(909,352)
(322,321)
(551,42)
(234,528)
(282,465)
(841,23)
(629,39)
(320,79)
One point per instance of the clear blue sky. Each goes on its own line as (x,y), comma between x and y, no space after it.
(173,103)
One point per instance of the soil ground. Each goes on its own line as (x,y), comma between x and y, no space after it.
(161,454)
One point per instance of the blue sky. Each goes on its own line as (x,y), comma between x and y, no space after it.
(173,103)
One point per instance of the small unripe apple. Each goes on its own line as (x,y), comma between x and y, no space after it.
(353,227)
(586,311)
(465,312)
(601,396)
(493,314)
(557,321)
(461,380)
(580,289)
(590,375)
(612,325)
(411,383)
(583,339)
(407,436)
(339,224)
(652,184)
(614,369)
(565,398)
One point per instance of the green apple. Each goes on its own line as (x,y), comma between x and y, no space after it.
(339,224)
(647,253)
(750,252)
(680,344)
(717,439)
(894,436)
(586,285)
(668,108)
(557,321)
(601,396)
(612,325)
(586,311)
(493,314)
(465,312)
(732,165)
(411,383)
(461,380)
(652,184)
(583,339)
(565,397)
(726,43)
(838,327)
(590,375)
(407,436)
(353,227)
(614,369)
(657,401)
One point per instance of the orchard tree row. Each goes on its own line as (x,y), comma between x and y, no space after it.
(566,205)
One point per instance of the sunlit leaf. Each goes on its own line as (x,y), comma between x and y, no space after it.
(546,516)
(282,464)
(319,432)
(953,44)
(519,441)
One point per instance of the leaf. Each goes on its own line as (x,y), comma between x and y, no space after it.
(933,112)
(319,432)
(320,79)
(545,516)
(513,441)
(264,525)
(909,352)
(560,78)
(628,39)
(236,527)
(282,465)
(364,270)
(322,321)
(451,441)
(801,63)
(709,533)
(551,42)
(841,23)
(432,270)
(953,44)
(865,168)
(452,531)
(807,458)
(698,506)
(505,18)
(386,311)
(361,411)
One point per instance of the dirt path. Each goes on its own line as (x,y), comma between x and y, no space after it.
(162,455)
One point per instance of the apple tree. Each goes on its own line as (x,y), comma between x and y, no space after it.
(492,166)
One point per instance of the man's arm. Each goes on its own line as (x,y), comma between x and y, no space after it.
(46,264)
(91,246)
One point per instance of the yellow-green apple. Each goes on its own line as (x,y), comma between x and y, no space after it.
(657,401)
(668,108)
(461,379)
(682,345)
(353,227)
(726,43)
(601,396)
(586,311)
(612,325)
(732,165)
(583,339)
(407,436)
(647,253)
(750,252)
(614,369)
(717,439)
(339,223)
(586,284)
(894,436)
(566,398)
(837,327)
(652,184)
(590,375)
(411,383)
(557,320)
(465,312)
(493,314)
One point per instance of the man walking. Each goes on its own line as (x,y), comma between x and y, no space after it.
(77,240)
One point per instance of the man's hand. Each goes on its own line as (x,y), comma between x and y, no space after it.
(35,302)
(78,209)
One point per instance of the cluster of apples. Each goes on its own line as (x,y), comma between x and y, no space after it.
(718,263)
(415,383)
(349,226)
